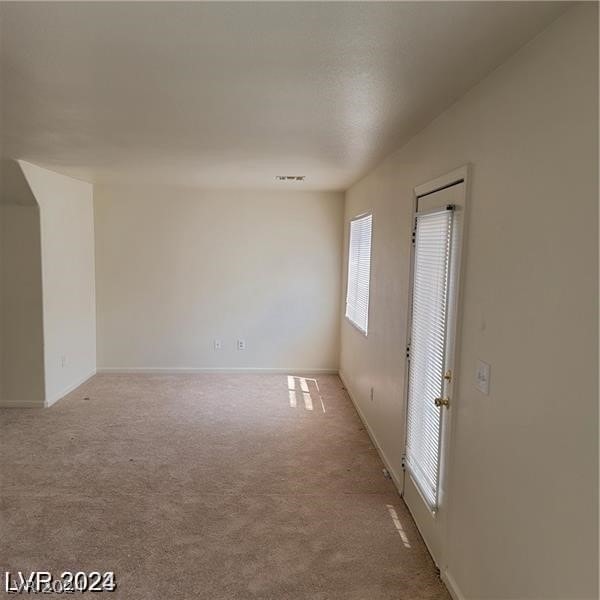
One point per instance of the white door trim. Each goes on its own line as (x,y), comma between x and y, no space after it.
(461,174)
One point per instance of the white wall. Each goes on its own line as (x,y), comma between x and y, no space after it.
(67,249)
(22,338)
(2,292)
(523,512)
(178,268)
(21,333)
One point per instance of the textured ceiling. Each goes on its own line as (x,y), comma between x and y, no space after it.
(232,94)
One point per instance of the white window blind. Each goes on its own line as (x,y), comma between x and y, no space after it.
(359,272)
(427,355)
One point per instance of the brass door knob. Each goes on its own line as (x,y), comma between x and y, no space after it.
(439,402)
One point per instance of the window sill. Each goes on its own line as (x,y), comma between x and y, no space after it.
(355,326)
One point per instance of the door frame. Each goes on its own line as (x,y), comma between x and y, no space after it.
(462,174)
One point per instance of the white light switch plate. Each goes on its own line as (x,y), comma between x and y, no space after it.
(482,377)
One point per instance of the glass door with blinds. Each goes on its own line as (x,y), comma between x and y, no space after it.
(430,354)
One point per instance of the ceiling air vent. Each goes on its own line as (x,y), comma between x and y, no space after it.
(290,177)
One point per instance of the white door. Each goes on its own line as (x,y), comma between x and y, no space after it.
(437,240)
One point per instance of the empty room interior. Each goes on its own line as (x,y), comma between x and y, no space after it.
(299,300)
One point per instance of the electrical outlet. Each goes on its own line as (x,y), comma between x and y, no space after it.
(241,344)
(217,344)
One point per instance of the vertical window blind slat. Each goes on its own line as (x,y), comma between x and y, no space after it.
(359,272)
(427,349)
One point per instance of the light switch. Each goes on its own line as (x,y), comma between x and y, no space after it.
(482,377)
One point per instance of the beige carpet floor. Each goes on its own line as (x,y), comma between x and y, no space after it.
(215,487)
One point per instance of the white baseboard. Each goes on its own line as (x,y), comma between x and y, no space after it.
(53,399)
(22,404)
(452,586)
(184,370)
(397,478)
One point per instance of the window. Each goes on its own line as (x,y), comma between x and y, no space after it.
(359,272)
